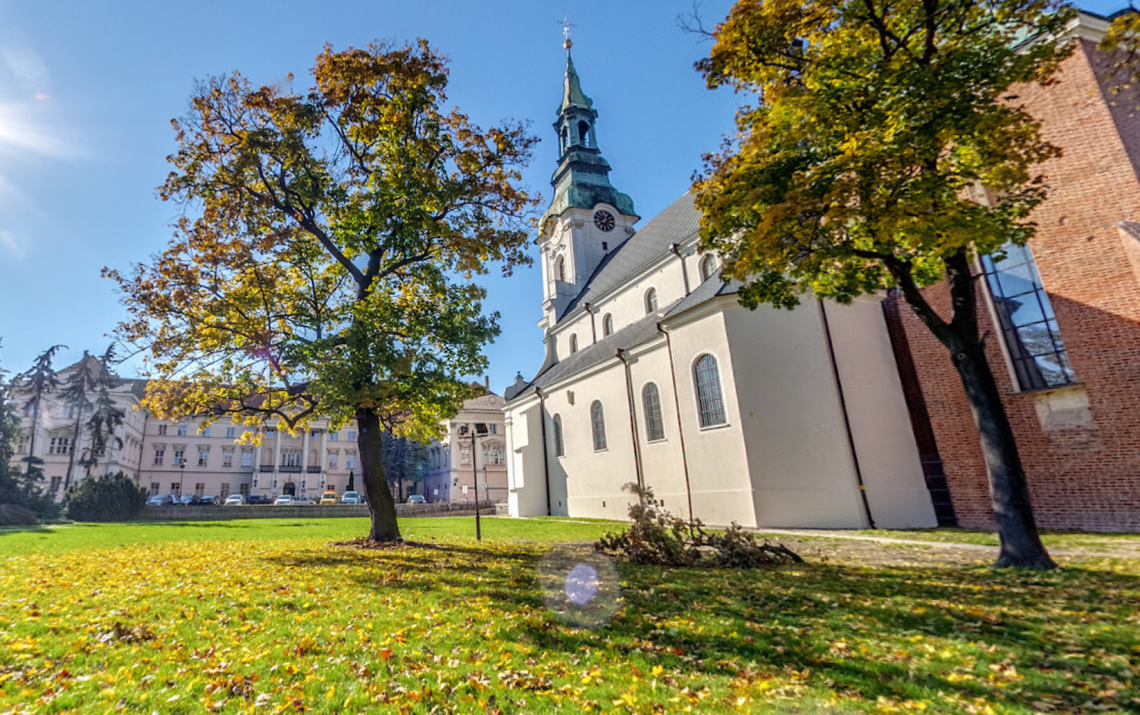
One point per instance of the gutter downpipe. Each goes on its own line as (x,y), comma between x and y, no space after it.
(843,409)
(593,323)
(633,423)
(545,455)
(680,427)
(676,249)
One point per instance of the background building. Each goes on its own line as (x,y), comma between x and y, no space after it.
(453,464)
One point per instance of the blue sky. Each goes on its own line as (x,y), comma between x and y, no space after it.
(87,91)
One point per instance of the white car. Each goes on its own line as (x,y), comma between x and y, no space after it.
(351,498)
(284,500)
(235,500)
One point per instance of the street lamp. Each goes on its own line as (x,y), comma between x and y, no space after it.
(476,430)
(181,476)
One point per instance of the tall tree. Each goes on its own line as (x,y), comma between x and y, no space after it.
(326,257)
(39,381)
(874,124)
(106,416)
(76,394)
(403,461)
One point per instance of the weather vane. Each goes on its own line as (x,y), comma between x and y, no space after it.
(566,25)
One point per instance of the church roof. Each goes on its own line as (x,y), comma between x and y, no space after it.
(676,223)
(572,94)
(628,337)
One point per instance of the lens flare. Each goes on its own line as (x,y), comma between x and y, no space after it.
(580,585)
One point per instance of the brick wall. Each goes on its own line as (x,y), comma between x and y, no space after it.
(1083,464)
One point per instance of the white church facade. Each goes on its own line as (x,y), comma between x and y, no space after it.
(655,374)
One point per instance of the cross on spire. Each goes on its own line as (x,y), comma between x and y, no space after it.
(566,25)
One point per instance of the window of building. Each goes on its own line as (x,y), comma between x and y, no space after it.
(227,458)
(560,269)
(181,430)
(154,488)
(159,455)
(493,455)
(1027,321)
(203,456)
(224,490)
(56,483)
(292,459)
(710,399)
(175,488)
(651,301)
(162,430)
(573,343)
(708,267)
(350,460)
(205,431)
(334,436)
(179,456)
(654,424)
(313,434)
(231,432)
(332,460)
(465,455)
(59,445)
(607,325)
(271,433)
(246,458)
(351,436)
(199,490)
(494,429)
(244,489)
(598,424)
(559,448)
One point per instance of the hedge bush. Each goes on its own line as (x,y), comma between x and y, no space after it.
(112,497)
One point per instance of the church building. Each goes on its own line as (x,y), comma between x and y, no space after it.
(654,374)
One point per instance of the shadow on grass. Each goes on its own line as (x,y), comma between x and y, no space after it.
(1064,638)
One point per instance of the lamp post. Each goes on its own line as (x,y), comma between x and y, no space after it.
(181,476)
(478,429)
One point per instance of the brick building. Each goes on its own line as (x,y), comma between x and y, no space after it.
(1063,324)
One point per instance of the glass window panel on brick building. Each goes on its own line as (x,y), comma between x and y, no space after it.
(1027,321)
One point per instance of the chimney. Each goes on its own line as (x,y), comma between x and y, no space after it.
(487,383)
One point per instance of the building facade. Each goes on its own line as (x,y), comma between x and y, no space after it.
(455,461)
(187,457)
(655,375)
(1063,316)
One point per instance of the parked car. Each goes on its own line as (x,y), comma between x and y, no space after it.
(188,500)
(417,499)
(209,501)
(328,498)
(302,501)
(161,500)
(284,500)
(258,499)
(235,500)
(351,498)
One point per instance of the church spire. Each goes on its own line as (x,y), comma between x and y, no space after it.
(582,177)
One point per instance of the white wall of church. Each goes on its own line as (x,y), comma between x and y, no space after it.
(718,461)
(593,478)
(801,465)
(880,424)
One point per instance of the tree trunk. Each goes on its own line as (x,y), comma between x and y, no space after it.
(74,447)
(1009,491)
(381,507)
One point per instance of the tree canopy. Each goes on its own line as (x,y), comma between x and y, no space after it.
(325,261)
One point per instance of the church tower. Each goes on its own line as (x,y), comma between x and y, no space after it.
(588,217)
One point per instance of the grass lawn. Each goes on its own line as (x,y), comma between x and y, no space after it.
(1061,540)
(266,616)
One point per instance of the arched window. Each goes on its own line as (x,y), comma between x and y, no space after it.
(584,134)
(560,269)
(573,343)
(651,301)
(710,400)
(654,425)
(559,447)
(608,325)
(708,267)
(565,138)
(598,424)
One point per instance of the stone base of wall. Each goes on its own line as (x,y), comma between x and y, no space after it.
(269,511)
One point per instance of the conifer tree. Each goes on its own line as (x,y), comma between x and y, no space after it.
(76,394)
(40,380)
